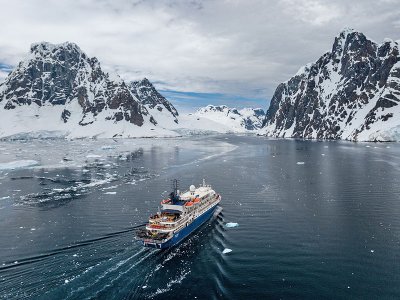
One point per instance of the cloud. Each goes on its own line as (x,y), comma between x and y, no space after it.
(238,48)
(315,12)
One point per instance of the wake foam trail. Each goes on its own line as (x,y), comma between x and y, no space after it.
(115,272)
(61,250)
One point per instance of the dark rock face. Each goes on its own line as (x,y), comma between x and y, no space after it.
(151,98)
(61,75)
(349,93)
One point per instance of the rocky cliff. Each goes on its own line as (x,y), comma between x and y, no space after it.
(154,102)
(351,92)
(59,88)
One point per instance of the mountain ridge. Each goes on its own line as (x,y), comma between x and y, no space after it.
(59,82)
(351,92)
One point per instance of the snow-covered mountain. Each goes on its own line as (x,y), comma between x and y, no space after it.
(244,120)
(352,92)
(59,90)
(156,104)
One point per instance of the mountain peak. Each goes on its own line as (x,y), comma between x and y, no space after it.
(350,33)
(346,30)
(348,93)
(46,47)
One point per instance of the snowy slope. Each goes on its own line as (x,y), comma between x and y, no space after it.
(156,104)
(244,120)
(57,90)
(351,92)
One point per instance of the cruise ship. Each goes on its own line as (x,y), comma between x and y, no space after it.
(180,215)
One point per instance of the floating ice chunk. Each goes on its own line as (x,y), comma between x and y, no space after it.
(226,250)
(18,164)
(33,229)
(93,156)
(372,251)
(107,147)
(367,146)
(231,225)
(300,162)
(6,197)
(110,193)
(66,281)
(75,255)
(323,154)
(145,286)
(110,187)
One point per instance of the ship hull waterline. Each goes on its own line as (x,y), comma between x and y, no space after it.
(183,233)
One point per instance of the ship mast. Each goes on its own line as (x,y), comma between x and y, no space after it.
(174,196)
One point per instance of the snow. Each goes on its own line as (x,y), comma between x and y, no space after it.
(232,118)
(353,118)
(44,121)
(27,122)
(18,164)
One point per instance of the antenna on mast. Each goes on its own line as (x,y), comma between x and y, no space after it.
(174,196)
(175,186)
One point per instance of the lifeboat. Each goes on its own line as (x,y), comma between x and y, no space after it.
(196,200)
(190,203)
(165,201)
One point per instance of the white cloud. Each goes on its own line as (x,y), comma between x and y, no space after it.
(315,12)
(226,46)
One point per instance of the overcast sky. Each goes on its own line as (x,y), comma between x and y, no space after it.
(197,52)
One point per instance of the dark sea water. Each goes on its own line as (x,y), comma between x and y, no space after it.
(317,220)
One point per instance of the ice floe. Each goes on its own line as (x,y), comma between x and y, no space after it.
(226,250)
(300,162)
(18,164)
(93,156)
(110,193)
(107,147)
(231,225)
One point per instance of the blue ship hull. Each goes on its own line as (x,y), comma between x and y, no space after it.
(185,232)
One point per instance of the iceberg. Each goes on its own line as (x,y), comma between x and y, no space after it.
(226,250)
(231,225)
